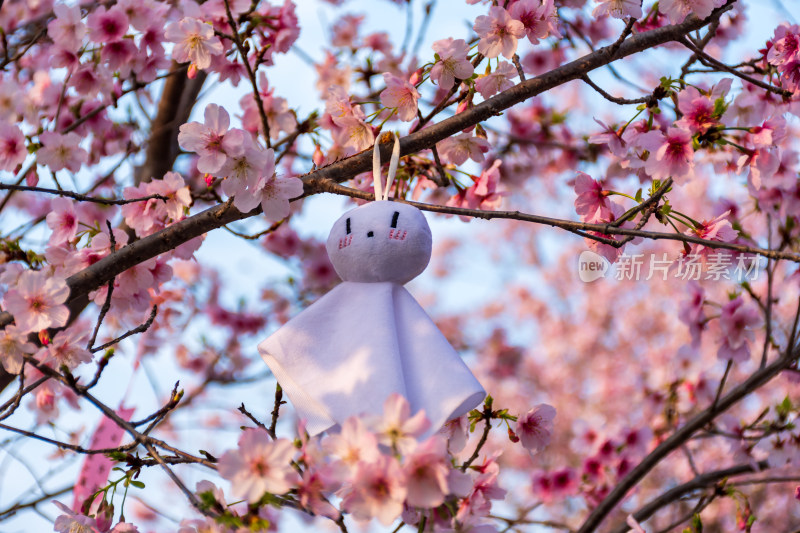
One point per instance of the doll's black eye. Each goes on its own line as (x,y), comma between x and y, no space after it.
(394,218)
(347,226)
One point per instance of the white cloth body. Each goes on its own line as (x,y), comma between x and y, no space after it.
(346,353)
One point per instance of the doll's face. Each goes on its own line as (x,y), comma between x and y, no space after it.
(380,241)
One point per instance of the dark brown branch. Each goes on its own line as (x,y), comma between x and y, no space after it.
(138,329)
(576,227)
(276,409)
(699,482)
(81,197)
(711,62)
(250,74)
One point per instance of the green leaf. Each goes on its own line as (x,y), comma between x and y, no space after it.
(697,524)
(137,484)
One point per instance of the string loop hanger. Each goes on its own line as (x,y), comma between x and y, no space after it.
(382,193)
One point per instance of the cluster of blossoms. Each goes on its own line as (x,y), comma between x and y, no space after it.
(247,168)
(377,468)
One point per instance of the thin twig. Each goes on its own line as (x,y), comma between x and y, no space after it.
(710,61)
(138,329)
(237,39)
(81,197)
(275,410)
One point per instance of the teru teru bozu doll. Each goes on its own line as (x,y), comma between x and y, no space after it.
(368,337)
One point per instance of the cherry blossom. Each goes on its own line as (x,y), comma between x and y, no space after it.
(397,428)
(498,33)
(352,445)
(13,347)
(212,141)
(736,323)
(107,26)
(592,203)
(497,81)
(452,63)
(677,10)
(459,148)
(620,9)
(37,301)
(194,41)
(67,348)
(12,146)
(259,465)
(671,154)
(401,95)
(72,522)
(719,229)
(377,491)
(426,471)
(63,220)
(62,151)
(539,17)
(174,188)
(67,30)
(535,427)
(267,189)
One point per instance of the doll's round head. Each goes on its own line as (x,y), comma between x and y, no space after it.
(380,241)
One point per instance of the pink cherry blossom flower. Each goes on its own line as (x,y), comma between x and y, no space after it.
(426,470)
(63,220)
(397,428)
(12,146)
(62,151)
(736,323)
(486,193)
(691,312)
(452,63)
(677,10)
(259,465)
(377,491)
(458,149)
(620,9)
(194,41)
(67,30)
(539,17)
(353,444)
(72,522)
(13,347)
(243,169)
(718,229)
(494,82)
(212,141)
(141,216)
(671,154)
(67,348)
(37,301)
(355,133)
(312,490)
(107,26)
(698,109)
(498,33)
(457,432)
(592,203)
(401,95)
(345,31)
(272,192)
(174,188)
(535,427)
